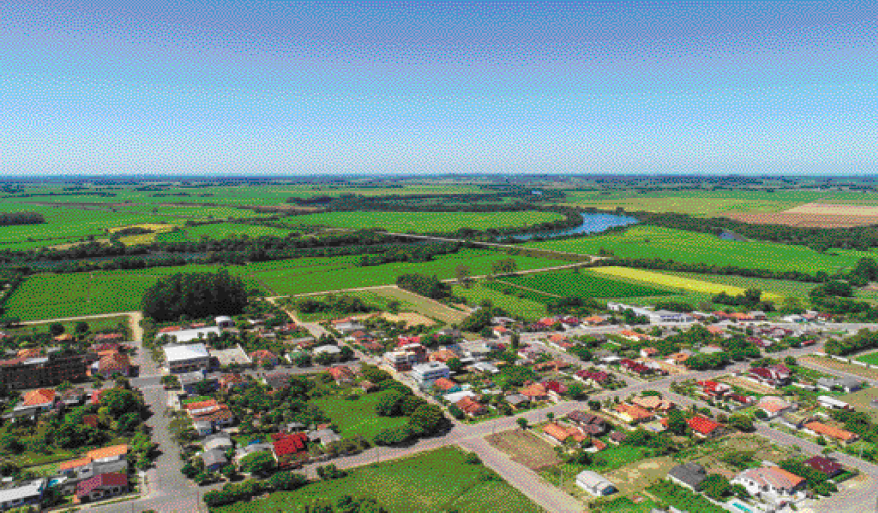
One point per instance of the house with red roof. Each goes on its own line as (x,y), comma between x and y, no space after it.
(825,466)
(471,407)
(446,386)
(592,377)
(705,428)
(773,376)
(102,487)
(555,389)
(41,399)
(113,363)
(714,389)
(341,374)
(264,357)
(286,446)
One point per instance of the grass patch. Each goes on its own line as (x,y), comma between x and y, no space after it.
(431,482)
(524,308)
(357,417)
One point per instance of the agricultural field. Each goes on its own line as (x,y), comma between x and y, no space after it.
(70,326)
(48,295)
(785,288)
(584,284)
(518,307)
(677,282)
(525,448)
(690,247)
(401,487)
(220,231)
(427,222)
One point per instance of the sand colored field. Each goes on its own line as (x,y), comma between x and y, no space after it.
(816,215)
(676,282)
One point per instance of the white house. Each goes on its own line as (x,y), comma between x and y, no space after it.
(769,482)
(22,494)
(184,336)
(594,483)
(186,358)
(431,371)
(224,321)
(832,403)
(668,317)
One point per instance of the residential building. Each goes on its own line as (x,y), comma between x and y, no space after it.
(487,368)
(102,487)
(848,385)
(704,428)
(287,445)
(589,423)
(107,460)
(186,336)
(774,406)
(264,357)
(839,435)
(471,407)
(632,414)
(535,392)
(561,433)
(113,363)
(653,403)
(28,493)
(832,403)
(214,459)
(342,374)
(689,474)
(446,386)
(594,483)
(769,480)
(517,400)
(44,371)
(428,372)
(592,378)
(825,466)
(186,358)
(218,441)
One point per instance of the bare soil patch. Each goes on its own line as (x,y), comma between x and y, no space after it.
(412,319)
(525,448)
(749,385)
(816,215)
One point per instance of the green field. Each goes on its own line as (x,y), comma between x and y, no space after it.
(583,284)
(871,358)
(518,307)
(427,222)
(431,482)
(49,296)
(357,417)
(785,288)
(691,247)
(221,231)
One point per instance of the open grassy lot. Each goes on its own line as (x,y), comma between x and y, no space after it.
(431,482)
(870,358)
(862,401)
(70,326)
(422,305)
(856,370)
(357,417)
(427,222)
(675,281)
(626,505)
(585,284)
(526,448)
(525,308)
(691,247)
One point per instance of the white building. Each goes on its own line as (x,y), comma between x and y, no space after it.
(832,403)
(184,336)
(668,317)
(186,358)
(594,483)
(22,494)
(224,321)
(428,372)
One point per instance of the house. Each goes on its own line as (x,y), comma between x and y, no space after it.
(323,436)
(847,385)
(287,445)
(594,320)
(590,423)
(101,487)
(592,377)
(253,447)
(214,459)
(555,389)
(714,389)
(704,428)
(653,403)
(535,392)
(426,373)
(689,474)
(517,400)
(329,349)
(839,435)
(191,382)
(186,358)
(774,406)
(446,386)
(632,414)
(28,493)
(401,360)
(348,326)
(678,359)
(185,336)
(341,374)
(224,321)
(443,355)
(72,396)
(832,403)
(219,441)
(617,437)
(594,483)
(773,480)
(825,466)
(561,433)
(553,365)
(771,376)
(232,381)
(42,399)
(471,407)
(113,363)
(648,352)
(487,368)
(500,331)
(264,357)
(639,368)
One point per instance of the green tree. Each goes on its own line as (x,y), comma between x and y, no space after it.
(427,420)
(56,329)
(390,404)
(258,463)
(677,422)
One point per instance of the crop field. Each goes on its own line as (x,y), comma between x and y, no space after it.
(343,273)
(583,284)
(785,288)
(715,203)
(220,231)
(431,482)
(427,222)
(676,282)
(519,292)
(527,309)
(691,247)
(48,296)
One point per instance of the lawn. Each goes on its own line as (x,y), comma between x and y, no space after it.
(871,358)
(626,505)
(427,222)
(862,401)
(431,482)
(652,242)
(584,284)
(678,282)
(357,417)
(221,231)
(518,307)
(683,498)
(70,326)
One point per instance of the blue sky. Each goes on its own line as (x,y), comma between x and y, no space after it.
(210,87)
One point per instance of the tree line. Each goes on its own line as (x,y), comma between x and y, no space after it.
(19,218)
(196,295)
